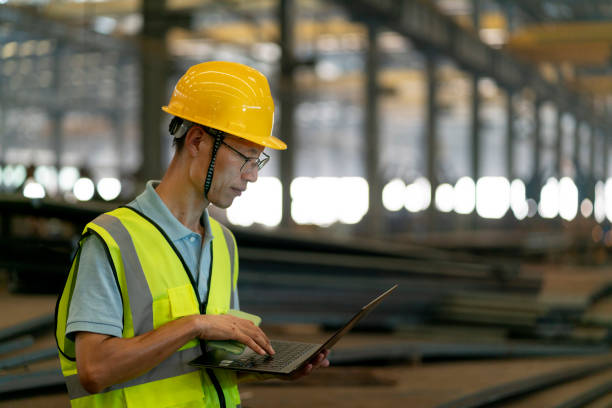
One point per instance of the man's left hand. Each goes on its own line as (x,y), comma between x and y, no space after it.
(320,360)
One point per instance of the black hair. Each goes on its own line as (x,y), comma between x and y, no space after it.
(175,125)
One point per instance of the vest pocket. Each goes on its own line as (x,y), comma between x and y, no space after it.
(182,301)
(179,301)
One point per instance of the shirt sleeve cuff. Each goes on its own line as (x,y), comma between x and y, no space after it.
(98,328)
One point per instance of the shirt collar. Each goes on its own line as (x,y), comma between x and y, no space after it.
(153,207)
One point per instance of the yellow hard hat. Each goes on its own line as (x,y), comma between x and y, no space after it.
(227,96)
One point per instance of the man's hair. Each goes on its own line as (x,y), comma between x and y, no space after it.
(178,129)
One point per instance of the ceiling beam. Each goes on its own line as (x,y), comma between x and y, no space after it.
(430,29)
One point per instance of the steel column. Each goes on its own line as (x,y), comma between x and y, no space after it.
(431,132)
(592,147)
(510,135)
(476,143)
(559,144)
(577,147)
(153,73)
(476,14)
(372,154)
(3,132)
(537,134)
(57,112)
(475,125)
(605,152)
(287,105)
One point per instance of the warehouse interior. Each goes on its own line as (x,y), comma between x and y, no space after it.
(457,148)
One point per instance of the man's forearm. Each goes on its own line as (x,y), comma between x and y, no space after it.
(105,360)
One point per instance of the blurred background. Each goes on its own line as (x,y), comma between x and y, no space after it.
(459,148)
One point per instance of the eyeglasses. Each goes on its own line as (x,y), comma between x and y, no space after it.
(250,163)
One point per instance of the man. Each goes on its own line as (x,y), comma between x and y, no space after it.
(153,280)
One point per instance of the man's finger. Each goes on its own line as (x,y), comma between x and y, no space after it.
(244,339)
(256,334)
(261,339)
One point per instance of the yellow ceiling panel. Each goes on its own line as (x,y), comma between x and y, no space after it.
(592,53)
(594,84)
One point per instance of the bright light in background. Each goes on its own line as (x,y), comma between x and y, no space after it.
(324,211)
(518,201)
(599,208)
(445,197)
(394,195)
(549,199)
(261,203)
(109,188)
(586,208)
(67,177)
(492,197)
(327,70)
(465,195)
(33,190)
(14,176)
(47,177)
(568,199)
(355,193)
(104,25)
(266,51)
(608,198)
(301,188)
(326,200)
(418,195)
(83,189)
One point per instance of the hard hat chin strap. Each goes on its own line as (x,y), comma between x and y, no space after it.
(219,136)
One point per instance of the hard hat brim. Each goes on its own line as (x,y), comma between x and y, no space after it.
(271,141)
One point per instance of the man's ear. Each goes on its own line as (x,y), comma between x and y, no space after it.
(193,140)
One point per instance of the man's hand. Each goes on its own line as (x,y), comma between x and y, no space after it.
(320,360)
(228,327)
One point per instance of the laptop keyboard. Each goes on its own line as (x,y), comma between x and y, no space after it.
(286,353)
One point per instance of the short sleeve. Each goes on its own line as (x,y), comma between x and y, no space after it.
(96,304)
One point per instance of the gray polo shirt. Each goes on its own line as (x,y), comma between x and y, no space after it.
(96,302)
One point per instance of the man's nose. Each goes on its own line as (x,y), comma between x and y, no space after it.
(250,174)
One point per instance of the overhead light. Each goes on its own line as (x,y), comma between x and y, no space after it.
(33,190)
(67,177)
(492,197)
(47,177)
(346,200)
(394,195)
(549,199)
(568,199)
(266,51)
(14,176)
(328,70)
(261,203)
(418,195)
(104,25)
(465,195)
(83,189)
(445,197)
(109,188)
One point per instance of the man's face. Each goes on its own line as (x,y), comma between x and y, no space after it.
(229,181)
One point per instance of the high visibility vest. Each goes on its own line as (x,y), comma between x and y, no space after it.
(156,288)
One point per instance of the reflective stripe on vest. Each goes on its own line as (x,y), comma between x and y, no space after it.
(156,288)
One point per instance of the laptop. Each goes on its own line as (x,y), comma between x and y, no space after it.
(290,355)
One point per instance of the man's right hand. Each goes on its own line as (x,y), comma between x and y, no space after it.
(228,327)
